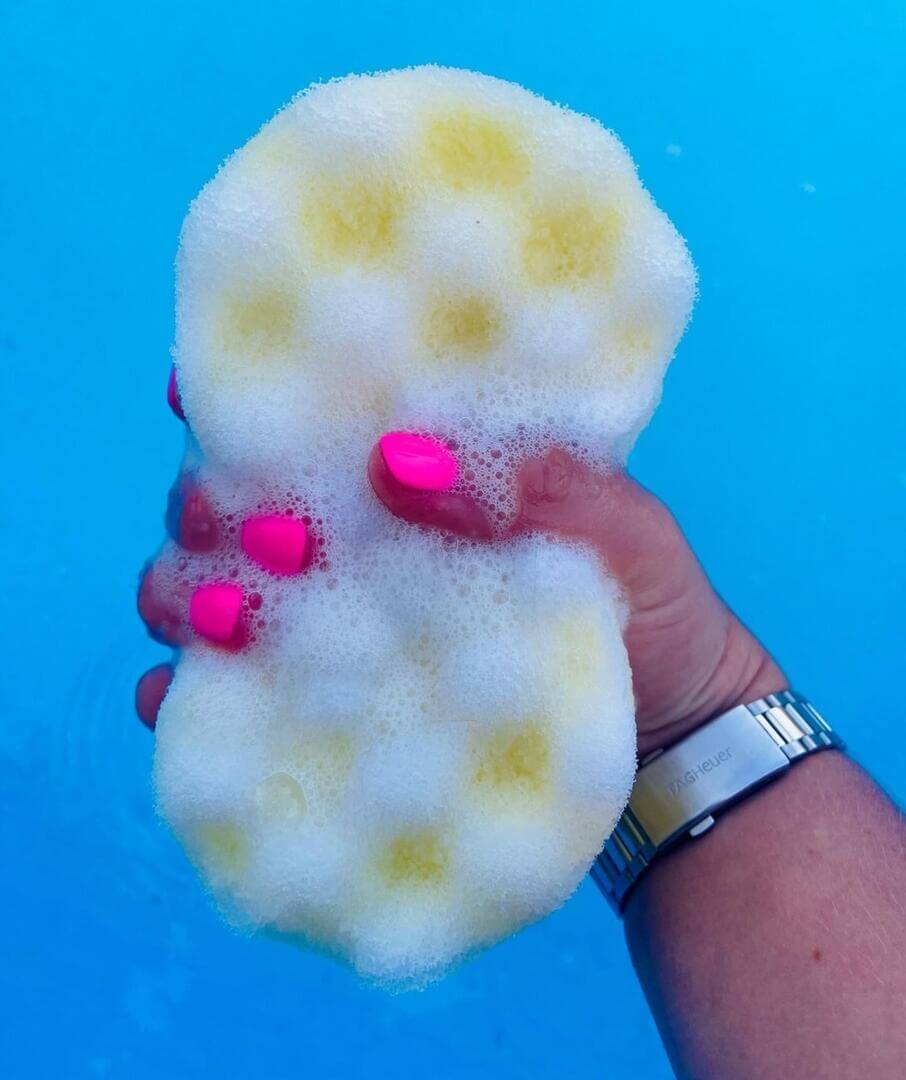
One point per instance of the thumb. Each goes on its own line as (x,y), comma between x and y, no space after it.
(630,529)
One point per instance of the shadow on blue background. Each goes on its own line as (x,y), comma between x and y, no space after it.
(773,136)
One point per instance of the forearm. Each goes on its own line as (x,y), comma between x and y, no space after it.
(775,946)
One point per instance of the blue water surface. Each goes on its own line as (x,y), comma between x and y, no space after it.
(773,135)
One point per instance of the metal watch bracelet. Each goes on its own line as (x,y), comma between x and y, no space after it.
(678,791)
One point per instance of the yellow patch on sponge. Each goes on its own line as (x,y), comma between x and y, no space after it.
(636,344)
(258,323)
(322,764)
(464,327)
(468,150)
(571,242)
(273,153)
(224,848)
(354,220)
(574,656)
(636,340)
(415,859)
(515,761)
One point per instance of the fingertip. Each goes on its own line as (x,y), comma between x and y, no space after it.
(417,462)
(558,493)
(174,397)
(159,609)
(430,506)
(150,692)
(605,508)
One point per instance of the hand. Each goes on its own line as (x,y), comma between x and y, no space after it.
(691,657)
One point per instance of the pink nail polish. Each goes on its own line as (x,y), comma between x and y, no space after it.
(173,398)
(215,612)
(419,463)
(279,544)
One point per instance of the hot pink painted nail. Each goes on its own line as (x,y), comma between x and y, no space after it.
(417,462)
(173,398)
(215,612)
(279,544)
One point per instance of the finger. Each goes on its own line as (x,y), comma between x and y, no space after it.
(631,529)
(161,609)
(677,623)
(191,520)
(401,492)
(150,692)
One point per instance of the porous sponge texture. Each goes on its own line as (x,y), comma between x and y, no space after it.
(425,743)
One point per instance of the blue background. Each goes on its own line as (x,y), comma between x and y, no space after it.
(779,443)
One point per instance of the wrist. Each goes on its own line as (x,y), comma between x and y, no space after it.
(744,672)
(680,793)
(795,897)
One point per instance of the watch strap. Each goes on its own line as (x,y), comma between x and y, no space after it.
(678,791)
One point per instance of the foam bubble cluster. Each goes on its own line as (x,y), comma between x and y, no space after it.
(394,746)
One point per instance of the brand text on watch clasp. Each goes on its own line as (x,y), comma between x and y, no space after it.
(690,776)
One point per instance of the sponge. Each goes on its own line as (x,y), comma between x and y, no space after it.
(381,741)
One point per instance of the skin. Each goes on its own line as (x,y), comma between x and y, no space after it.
(774,946)
(691,657)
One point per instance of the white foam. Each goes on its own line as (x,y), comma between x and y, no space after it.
(426,743)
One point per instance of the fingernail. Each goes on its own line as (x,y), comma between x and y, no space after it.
(215,612)
(418,462)
(173,398)
(279,544)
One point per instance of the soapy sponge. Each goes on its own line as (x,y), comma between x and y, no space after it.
(385,743)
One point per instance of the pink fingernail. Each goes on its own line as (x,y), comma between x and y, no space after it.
(279,544)
(173,398)
(417,462)
(215,612)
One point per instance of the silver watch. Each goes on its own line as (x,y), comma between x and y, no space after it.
(679,791)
